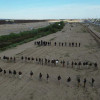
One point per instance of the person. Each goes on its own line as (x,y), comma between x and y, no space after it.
(47,77)
(1,70)
(28,58)
(45,61)
(78,80)
(7,58)
(57,61)
(48,62)
(63,63)
(76,44)
(92,81)
(36,60)
(14,72)
(79,64)
(95,65)
(40,76)
(32,58)
(59,78)
(22,58)
(4,72)
(25,59)
(90,64)
(84,82)
(10,73)
(50,43)
(79,44)
(41,42)
(4,57)
(20,74)
(55,43)
(40,60)
(69,79)
(11,58)
(72,44)
(75,63)
(62,44)
(31,74)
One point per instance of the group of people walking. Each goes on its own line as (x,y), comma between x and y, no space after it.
(11,59)
(10,72)
(55,62)
(46,43)
(15,73)
(42,43)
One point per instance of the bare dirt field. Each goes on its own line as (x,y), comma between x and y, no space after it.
(33,89)
(16,28)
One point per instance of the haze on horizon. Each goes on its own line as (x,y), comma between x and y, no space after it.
(49,9)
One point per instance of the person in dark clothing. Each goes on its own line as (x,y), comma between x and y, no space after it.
(93,81)
(59,78)
(62,44)
(63,63)
(84,82)
(47,77)
(22,58)
(78,80)
(20,74)
(14,72)
(79,44)
(40,76)
(55,43)
(76,44)
(4,72)
(95,65)
(31,74)
(69,79)
(1,70)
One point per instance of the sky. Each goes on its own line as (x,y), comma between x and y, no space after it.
(49,9)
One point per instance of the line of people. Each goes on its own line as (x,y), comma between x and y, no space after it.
(11,59)
(14,73)
(42,43)
(55,62)
(45,43)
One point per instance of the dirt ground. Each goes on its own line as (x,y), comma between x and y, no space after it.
(16,28)
(33,89)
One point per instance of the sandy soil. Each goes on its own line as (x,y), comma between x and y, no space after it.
(16,28)
(26,89)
